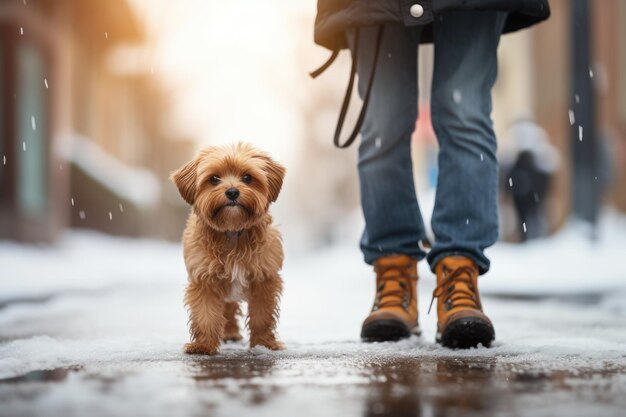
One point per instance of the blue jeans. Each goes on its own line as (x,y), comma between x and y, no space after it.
(465,217)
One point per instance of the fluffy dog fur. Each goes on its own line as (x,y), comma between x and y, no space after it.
(232,251)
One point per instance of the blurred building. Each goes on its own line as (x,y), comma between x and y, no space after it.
(81,138)
(535,78)
(82,115)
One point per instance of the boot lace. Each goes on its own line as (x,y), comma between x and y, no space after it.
(458,297)
(399,297)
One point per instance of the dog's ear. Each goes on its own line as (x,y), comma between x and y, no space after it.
(185,180)
(275,175)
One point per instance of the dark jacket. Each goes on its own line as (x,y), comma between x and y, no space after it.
(335,16)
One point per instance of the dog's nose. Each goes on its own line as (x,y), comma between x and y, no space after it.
(232,193)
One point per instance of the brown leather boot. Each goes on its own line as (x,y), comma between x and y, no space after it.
(394,314)
(461,322)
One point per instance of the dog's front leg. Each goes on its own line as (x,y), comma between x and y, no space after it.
(206,318)
(263,312)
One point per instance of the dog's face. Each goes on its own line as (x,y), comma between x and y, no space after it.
(230,188)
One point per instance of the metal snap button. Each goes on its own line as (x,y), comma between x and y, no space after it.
(416,10)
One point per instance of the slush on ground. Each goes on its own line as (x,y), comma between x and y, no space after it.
(95,325)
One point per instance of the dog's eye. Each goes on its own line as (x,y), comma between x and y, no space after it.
(214,180)
(247,179)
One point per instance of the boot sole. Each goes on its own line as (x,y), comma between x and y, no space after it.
(387,331)
(467,333)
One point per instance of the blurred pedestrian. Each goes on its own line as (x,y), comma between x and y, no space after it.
(530,162)
(383,37)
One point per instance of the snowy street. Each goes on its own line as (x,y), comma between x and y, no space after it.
(128,125)
(95,326)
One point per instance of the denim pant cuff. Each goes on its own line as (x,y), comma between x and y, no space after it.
(481,261)
(371,257)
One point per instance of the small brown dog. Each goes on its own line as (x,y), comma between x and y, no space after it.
(232,251)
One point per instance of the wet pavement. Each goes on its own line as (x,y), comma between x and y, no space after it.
(235,384)
(116,350)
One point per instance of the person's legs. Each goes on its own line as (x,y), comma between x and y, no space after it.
(465,217)
(393,223)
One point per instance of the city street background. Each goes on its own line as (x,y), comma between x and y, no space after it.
(101,100)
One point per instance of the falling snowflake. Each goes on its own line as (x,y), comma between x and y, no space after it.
(389,55)
(524,225)
(21,30)
(590,73)
(110,216)
(378,142)
(466,221)
(72,201)
(580,133)
(577,97)
(33,124)
(456,96)
(24,145)
(510,182)
(82,215)
(536,197)
(482,158)
(121,208)
(4,159)
(45,82)
(106,35)
(572,118)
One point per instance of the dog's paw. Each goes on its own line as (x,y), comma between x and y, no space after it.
(196,348)
(232,337)
(270,344)
(276,345)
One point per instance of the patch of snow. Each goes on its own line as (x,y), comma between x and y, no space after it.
(85,261)
(140,186)
(568,262)
(133,310)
